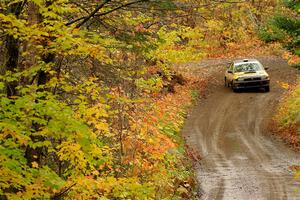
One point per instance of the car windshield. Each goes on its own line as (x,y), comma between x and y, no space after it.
(247,67)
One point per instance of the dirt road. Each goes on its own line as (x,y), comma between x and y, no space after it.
(240,160)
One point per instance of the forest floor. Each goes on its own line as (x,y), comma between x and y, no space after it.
(240,158)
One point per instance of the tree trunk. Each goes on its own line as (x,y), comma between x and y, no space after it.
(13,45)
(34,17)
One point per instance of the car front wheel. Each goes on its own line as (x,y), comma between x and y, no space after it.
(267,88)
(233,88)
(225,82)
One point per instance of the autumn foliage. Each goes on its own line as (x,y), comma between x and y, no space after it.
(286,122)
(81,114)
(283,28)
(90,105)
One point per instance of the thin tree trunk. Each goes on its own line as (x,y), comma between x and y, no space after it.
(32,154)
(13,45)
(34,17)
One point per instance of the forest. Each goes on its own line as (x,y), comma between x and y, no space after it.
(91,101)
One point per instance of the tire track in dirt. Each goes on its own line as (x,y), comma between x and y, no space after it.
(239,160)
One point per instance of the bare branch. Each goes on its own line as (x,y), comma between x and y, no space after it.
(87,18)
(121,6)
(94,13)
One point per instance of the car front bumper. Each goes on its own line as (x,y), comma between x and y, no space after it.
(251,84)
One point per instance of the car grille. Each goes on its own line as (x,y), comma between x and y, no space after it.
(252,84)
(252,79)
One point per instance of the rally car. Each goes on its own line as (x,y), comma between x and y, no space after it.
(247,73)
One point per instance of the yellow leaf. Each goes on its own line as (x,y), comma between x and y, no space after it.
(283,85)
(35,164)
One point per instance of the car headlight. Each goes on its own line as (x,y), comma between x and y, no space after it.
(266,77)
(238,79)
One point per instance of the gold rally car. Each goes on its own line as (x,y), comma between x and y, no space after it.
(247,73)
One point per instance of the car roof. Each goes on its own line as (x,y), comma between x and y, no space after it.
(237,62)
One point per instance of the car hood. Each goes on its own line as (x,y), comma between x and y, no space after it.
(252,74)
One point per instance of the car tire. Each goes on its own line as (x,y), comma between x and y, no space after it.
(225,82)
(267,89)
(233,88)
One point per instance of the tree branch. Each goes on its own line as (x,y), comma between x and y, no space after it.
(60,194)
(87,18)
(74,21)
(121,6)
(94,13)
(100,6)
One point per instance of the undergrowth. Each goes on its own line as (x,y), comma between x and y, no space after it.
(287,119)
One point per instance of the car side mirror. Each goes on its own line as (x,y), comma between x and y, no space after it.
(228,64)
(229,71)
(266,68)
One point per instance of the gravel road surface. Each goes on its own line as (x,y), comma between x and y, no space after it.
(240,159)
